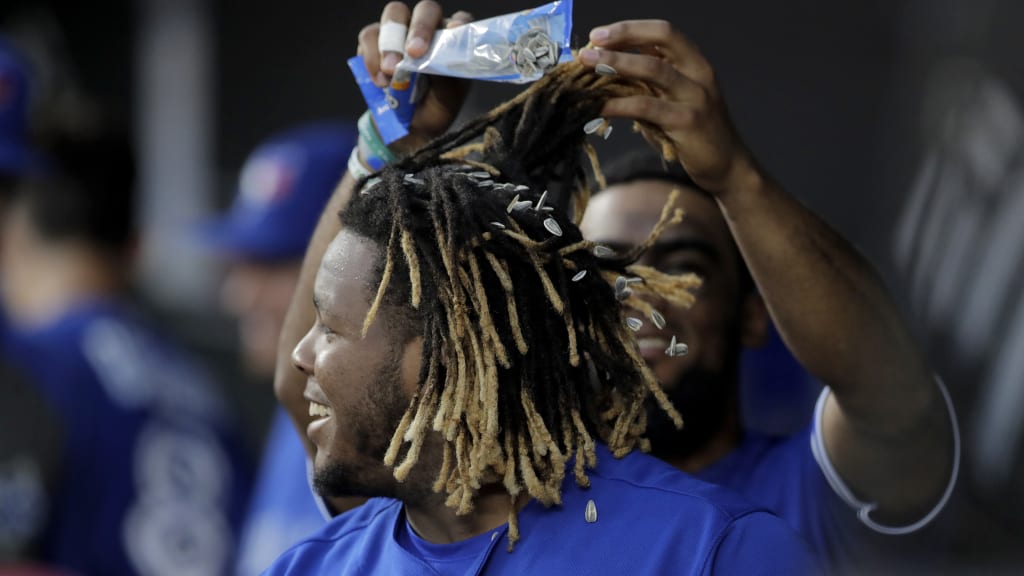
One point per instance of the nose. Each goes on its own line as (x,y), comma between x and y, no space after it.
(302,355)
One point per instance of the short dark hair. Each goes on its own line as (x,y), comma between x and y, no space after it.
(90,194)
(646,164)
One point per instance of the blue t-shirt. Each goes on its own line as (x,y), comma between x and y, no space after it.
(781,474)
(153,479)
(651,519)
(282,510)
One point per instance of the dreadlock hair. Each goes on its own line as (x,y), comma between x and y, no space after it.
(528,356)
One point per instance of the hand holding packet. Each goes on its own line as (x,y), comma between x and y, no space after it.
(516,48)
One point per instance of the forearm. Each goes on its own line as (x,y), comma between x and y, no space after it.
(886,427)
(828,303)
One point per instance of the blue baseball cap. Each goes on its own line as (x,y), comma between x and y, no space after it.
(283,188)
(16,156)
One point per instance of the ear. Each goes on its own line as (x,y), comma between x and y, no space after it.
(410,364)
(753,321)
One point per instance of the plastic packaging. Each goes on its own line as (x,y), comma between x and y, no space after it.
(517,48)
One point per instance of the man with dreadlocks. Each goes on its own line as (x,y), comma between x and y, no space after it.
(471,366)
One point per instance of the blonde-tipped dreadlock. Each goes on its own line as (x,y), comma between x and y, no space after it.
(528,361)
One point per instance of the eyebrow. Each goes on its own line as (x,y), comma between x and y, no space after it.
(661,248)
(687,244)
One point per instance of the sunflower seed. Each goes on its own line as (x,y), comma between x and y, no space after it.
(512,204)
(603,251)
(620,284)
(485,183)
(411,179)
(634,280)
(548,208)
(591,513)
(521,187)
(552,226)
(605,70)
(676,349)
(498,225)
(579,276)
(522,205)
(635,324)
(620,296)
(607,132)
(369,185)
(658,319)
(593,125)
(543,197)
(479,175)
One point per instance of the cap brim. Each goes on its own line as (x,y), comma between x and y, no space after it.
(229,238)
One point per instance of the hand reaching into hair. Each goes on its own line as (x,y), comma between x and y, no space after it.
(444,97)
(690,108)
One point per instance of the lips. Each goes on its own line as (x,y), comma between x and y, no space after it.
(652,347)
(319,409)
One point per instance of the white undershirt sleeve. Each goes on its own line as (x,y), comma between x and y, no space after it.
(864,509)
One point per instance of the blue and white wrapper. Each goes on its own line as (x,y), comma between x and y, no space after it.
(515,48)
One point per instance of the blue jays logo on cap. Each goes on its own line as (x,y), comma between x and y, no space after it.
(271,175)
(282,190)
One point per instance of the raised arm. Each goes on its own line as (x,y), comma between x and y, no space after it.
(885,426)
(433,116)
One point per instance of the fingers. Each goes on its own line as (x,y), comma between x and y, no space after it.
(402,31)
(657,111)
(392,35)
(653,70)
(458,19)
(371,55)
(426,18)
(675,47)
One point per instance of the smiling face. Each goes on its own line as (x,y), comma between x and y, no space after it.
(358,387)
(703,383)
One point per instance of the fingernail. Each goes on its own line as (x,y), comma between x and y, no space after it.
(381,80)
(390,61)
(416,44)
(598,34)
(589,56)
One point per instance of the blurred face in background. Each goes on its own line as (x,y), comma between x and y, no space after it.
(703,383)
(257,294)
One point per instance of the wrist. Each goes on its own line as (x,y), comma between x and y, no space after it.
(744,176)
(372,151)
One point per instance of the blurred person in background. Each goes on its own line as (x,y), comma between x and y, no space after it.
(151,478)
(30,448)
(282,190)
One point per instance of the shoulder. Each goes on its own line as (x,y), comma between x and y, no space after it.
(651,519)
(639,477)
(341,542)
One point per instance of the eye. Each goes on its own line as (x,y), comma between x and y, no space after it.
(682,267)
(326,330)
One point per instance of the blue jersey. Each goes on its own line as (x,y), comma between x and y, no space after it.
(651,519)
(282,510)
(794,478)
(152,479)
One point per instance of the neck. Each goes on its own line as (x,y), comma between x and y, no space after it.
(438,523)
(62,277)
(722,443)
